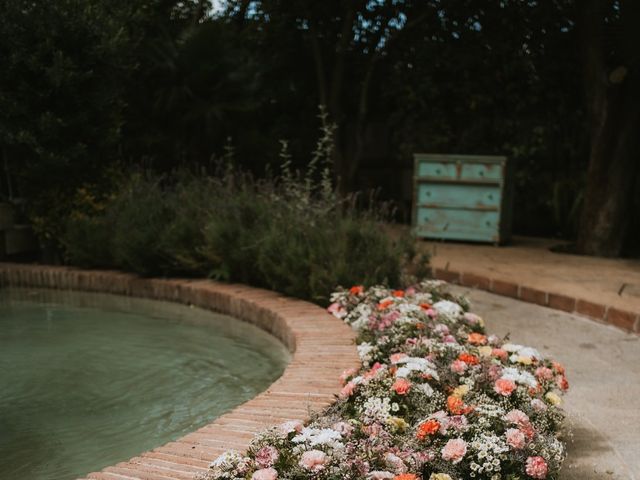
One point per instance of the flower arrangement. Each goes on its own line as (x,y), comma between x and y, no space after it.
(436,398)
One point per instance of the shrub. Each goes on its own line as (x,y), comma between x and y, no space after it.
(289,232)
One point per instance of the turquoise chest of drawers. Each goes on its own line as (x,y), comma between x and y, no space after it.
(462,197)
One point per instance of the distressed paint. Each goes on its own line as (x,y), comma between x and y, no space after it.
(462,197)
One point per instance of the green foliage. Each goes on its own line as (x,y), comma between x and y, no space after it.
(282,233)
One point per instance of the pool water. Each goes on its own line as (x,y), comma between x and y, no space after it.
(89,380)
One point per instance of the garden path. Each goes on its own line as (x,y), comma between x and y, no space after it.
(604,289)
(603,403)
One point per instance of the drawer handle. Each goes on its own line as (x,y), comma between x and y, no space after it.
(481,173)
(490,196)
(437,171)
(488,223)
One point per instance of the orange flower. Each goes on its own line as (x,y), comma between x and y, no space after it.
(425,306)
(430,427)
(406,476)
(398,293)
(420,325)
(468,358)
(356,290)
(401,386)
(457,406)
(383,305)
(477,339)
(562,382)
(558,368)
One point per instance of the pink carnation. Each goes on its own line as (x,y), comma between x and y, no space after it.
(394,462)
(537,467)
(517,416)
(472,318)
(544,373)
(401,386)
(265,474)
(337,310)
(458,366)
(538,405)
(344,428)
(347,390)
(397,357)
(380,475)
(494,372)
(291,426)
(454,450)
(515,438)
(499,353)
(313,460)
(346,374)
(267,456)
(504,387)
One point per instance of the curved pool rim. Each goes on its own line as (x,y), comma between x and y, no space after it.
(321,347)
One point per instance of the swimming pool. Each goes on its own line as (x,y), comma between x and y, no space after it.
(88,380)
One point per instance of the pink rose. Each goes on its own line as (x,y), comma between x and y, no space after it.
(537,467)
(515,438)
(454,450)
(458,366)
(313,460)
(265,474)
(267,456)
(504,387)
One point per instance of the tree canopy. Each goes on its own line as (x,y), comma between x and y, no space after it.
(87,86)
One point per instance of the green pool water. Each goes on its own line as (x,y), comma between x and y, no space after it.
(88,380)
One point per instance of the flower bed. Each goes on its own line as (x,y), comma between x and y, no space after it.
(436,398)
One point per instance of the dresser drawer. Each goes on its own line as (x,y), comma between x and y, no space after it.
(437,170)
(482,172)
(483,197)
(457,224)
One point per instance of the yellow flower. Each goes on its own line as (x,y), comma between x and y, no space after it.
(553,398)
(398,423)
(461,391)
(485,351)
(440,476)
(524,360)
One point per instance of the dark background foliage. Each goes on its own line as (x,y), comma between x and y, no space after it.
(90,88)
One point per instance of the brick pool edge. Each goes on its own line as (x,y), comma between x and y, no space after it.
(625,320)
(321,347)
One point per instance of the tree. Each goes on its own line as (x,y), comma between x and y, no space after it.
(611,37)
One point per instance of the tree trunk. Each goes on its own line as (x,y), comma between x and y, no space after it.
(613,95)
